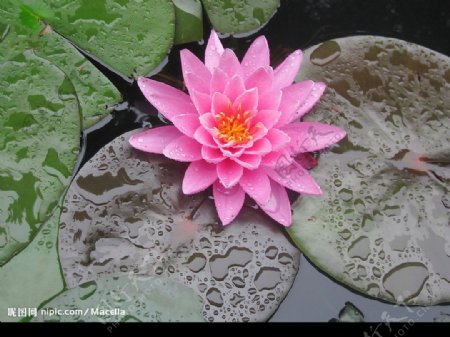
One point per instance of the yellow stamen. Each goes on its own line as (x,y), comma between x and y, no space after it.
(234,128)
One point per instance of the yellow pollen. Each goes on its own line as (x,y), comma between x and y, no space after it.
(234,128)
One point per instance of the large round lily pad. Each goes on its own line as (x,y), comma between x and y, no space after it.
(239,16)
(125,212)
(128,36)
(125,299)
(382,226)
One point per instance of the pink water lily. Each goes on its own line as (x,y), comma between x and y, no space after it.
(239,128)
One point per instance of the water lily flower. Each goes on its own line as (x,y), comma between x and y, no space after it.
(239,128)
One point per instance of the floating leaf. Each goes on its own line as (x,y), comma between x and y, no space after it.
(188,21)
(125,211)
(382,225)
(126,299)
(127,36)
(239,16)
(34,275)
(349,314)
(44,82)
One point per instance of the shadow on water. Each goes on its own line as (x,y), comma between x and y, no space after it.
(298,24)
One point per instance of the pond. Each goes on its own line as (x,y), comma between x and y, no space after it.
(376,247)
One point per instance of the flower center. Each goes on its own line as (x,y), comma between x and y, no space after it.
(234,128)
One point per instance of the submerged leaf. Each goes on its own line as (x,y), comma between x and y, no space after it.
(125,211)
(382,226)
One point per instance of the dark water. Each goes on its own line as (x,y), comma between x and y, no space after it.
(300,24)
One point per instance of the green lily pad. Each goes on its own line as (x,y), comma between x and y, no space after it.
(131,298)
(95,94)
(34,275)
(125,212)
(239,16)
(131,37)
(188,21)
(382,225)
(44,82)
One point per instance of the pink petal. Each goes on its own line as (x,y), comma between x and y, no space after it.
(261,79)
(202,101)
(191,64)
(183,148)
(229,63)
(208,121)
(286,72)
(249,161)
(270,100)
(278,139)
(278,159)
(193,81)
(234,88)
(256,56)
(232,152)
(258,131)
(313,97)
(294,177)
(312,136)
(213,52)
(168,100)
(306,160)
(187,124)
(204,137)
(228,201)
(229,172)
(256,184)
(199,176)
(218,81)
(212,155)
(260,147)
(278,206)
(154,140)
(267,117)
(248,100)
(293,96)
(219,103)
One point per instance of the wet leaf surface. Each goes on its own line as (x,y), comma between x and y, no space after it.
(125,212)
(349,314)
(140,298)
(188,21)
(34,275)
(382,225)
(127,36)
(44,82)
(239,16)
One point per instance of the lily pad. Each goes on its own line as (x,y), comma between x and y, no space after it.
(349,314)
(44,81)
(239,16)
(125,299)
(382,226)
(95,94)
(131,37)
(188,21)
(125,212)
(34,275)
